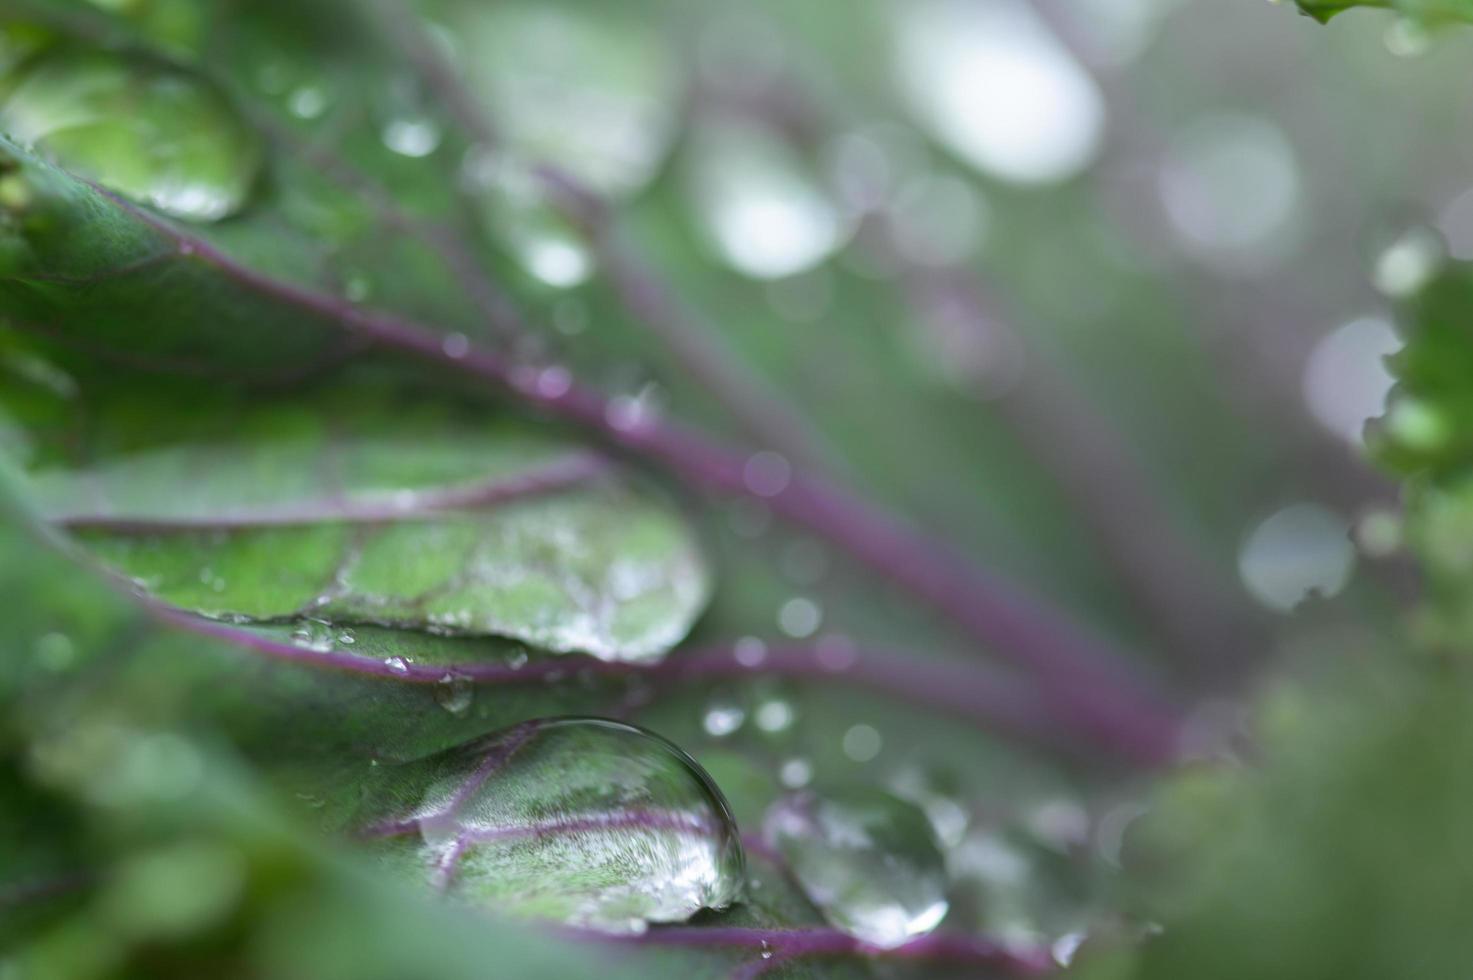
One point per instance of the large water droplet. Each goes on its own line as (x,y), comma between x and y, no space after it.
(578,86)
(586,821)
(762,210)
(991,82)
(146,129)
(868,860)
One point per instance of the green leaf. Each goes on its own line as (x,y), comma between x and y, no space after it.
(1421,11)
(402,512)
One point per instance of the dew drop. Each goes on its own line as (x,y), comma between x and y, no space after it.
(454,693)
(795,773)
(307,102)
(723,719)
(397,664)
(867,859)
(590,822)
(1408,262)
(993,84)
(767,473)
(749,652)
(456,346)
(761,210)
(584,88)
(774,716)
(141,127)
(862,743)
(412,138)
(799,617)
(314,634)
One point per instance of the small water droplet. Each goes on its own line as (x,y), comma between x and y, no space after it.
(749,652)
(357,288)
(1408,262)
(1066,946)
(586,821)
(723,719)
(767,473)
(868,861)
(307,102)
(862,743)
(456,345)
(346,638)
(800,617)
(412,138)
(314,634)
(454,693)
(774,716)
(1407,38)
(55,652)
(397,664)
(795,773)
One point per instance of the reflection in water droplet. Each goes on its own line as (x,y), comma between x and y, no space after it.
(1230,186)
(585,821)
(1302,550)
(759,205)
(868,861)
(585,88)
(140,127)
(993,83)
(1346,381)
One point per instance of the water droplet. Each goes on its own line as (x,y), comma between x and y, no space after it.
(799,617)
(723,719)
(1346,381)
(767,473)
(314,634)
(397,664)
(938,220)
(774,716)
(795,773)
(992,83)
(1230,186)
(346,638)
(413,138)
(1066,946)
(750,652)
(456,345)
(1299,551)
(357,288)
(307,102)
(862,743)
(590,822)
(591,90)
(761,209)
(1408,262)
(455,693)
(55,652)
(1406,38)
(868,861)
(141,127)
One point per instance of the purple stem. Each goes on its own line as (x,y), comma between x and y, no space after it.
(568,471)
(1080,673)
(695,343)
(794,943)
